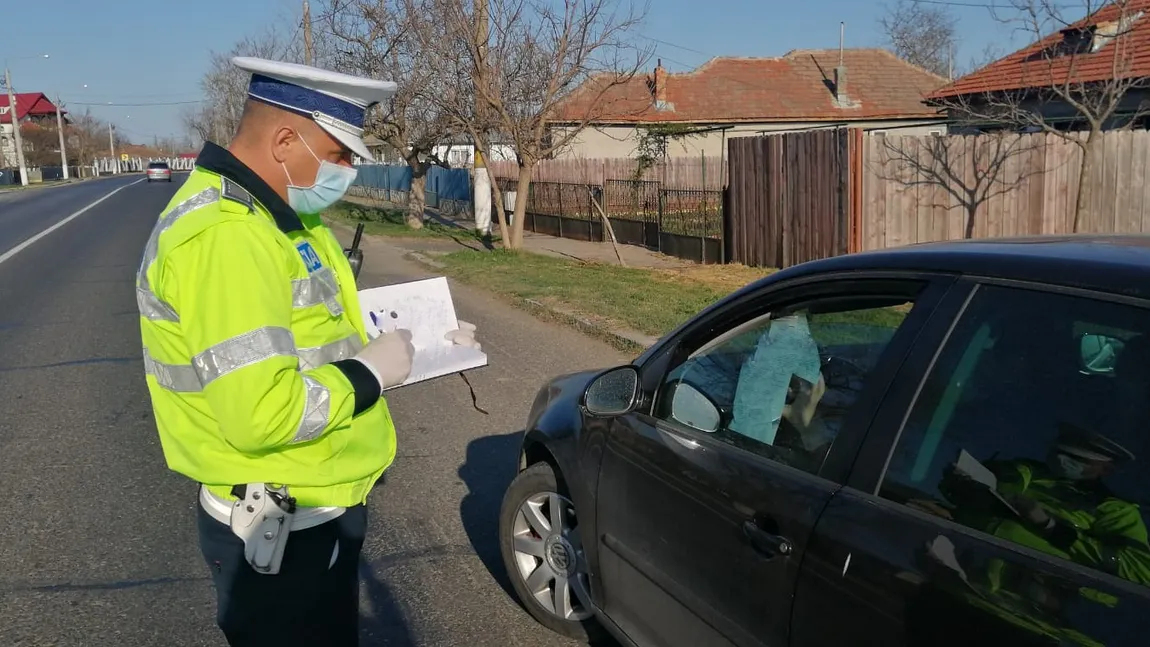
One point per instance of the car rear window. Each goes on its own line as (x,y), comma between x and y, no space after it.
(159,165)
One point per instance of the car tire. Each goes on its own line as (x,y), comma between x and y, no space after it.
(538,563)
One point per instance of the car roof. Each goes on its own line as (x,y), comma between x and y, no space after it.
(1107,263)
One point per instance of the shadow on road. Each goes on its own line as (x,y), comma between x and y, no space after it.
(382,623)
(487,471)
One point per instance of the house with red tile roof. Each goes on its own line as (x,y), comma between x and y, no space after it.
(1106,53)
(732,97)
(31,108)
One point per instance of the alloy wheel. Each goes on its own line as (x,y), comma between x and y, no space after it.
(549,555)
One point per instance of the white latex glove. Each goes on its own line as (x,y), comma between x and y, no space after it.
(389,357)
(464,335)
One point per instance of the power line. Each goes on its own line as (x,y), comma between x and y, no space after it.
(137,105)
(669,44)
(983,5)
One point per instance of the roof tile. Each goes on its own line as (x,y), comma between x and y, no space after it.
(35,103)
(1032,66)
(795,87)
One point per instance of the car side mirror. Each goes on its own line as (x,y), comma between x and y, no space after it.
(1098,353)
(692,407)
(613,393)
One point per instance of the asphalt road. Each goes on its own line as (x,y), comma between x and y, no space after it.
(97,537)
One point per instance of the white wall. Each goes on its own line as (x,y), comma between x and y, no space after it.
(621,141)
(464,154)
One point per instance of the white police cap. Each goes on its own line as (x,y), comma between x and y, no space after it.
(337,102)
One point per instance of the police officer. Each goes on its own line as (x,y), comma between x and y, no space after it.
(265,388)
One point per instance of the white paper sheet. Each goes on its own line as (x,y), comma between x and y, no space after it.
(425,308)
(969,466)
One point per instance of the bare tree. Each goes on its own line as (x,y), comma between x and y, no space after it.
(513,66)
(225,86)
(377,38)
(86,137)
(1074,83)
(922,34)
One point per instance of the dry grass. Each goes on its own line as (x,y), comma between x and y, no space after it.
(721,278)
(645,300)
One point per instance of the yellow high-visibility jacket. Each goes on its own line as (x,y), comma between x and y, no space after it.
(248,315)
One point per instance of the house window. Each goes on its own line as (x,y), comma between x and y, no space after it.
(936,133)
(877,133)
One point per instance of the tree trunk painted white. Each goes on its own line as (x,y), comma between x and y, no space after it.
(482,196)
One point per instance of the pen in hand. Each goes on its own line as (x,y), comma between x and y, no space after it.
(375,321)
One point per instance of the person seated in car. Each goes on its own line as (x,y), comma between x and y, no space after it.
(1059,506)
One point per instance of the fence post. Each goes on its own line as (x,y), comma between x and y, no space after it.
(662,199)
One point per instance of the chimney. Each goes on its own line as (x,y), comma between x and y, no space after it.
(841,85)
(841,98)
(660,89)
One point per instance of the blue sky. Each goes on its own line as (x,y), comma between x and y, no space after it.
(134,52)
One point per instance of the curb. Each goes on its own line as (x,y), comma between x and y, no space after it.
(624,340)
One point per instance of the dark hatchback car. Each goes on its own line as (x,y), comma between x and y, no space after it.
(944,444)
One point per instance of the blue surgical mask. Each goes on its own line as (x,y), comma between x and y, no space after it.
(331,183)
(1071,467)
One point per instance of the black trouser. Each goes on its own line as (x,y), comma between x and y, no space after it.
(311,601)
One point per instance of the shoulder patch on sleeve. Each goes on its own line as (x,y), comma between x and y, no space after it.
(236,193)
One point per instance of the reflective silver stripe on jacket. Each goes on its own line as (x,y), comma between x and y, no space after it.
(316,408)
(310,358)
(243,350)
(320,287)
(173,377)
(150,305)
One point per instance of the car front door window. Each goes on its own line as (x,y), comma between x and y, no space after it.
(782,384)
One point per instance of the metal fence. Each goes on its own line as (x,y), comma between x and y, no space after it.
(37,174)
(105,165)
(392,183)
(687,223)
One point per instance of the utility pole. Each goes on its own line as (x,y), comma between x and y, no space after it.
(482,192)
(308,51)
(112,149)
(60,131)
(16,128)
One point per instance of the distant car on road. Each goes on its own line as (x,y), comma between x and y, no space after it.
(942,444)
(159,171)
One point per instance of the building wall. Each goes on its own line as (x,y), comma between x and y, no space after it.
(7,147)
(622,141)
(464,154)
(1056,112)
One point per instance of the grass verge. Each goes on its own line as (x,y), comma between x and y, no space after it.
(391,223)
(648,301)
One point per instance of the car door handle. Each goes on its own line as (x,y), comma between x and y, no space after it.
(766,543)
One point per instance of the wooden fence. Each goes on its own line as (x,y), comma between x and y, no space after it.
(801,196)
(923,189)
(792,197)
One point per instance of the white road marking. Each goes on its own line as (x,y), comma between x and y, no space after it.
(28,243)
